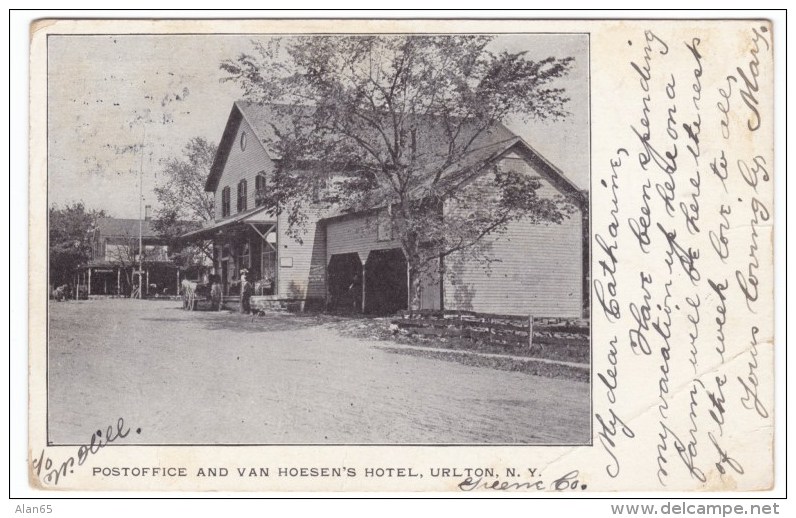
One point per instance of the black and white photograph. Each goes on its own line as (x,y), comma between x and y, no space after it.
(486,257)
(319,239)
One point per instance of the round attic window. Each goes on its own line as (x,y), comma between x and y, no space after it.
(243,141)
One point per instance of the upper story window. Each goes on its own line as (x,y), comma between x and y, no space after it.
(241,195)
(225,202)
(243,139)
(321,186)
(259,189)
(384,227)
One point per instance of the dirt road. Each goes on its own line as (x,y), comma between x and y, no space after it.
(221,378)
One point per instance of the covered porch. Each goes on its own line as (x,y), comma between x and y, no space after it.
(105,278)
(246,241)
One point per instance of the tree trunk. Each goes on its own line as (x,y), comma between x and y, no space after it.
(129,278)
(413,268)
(414,291)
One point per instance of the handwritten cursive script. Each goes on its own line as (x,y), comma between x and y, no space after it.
(51,472)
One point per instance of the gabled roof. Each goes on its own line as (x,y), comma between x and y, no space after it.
(230,130)
(128,228)
(266,120)
(262,119)
(551,172)
(474,163)
(117,227)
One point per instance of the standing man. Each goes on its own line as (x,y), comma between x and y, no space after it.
(246,290)
(216,295)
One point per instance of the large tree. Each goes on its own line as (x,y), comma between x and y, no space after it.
(70,239)
(398,120)
(183,202)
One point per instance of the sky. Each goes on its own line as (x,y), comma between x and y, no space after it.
(118,105)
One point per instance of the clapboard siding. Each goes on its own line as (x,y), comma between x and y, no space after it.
(306,278)
(539,267)
(240,165)
(355,233)
(538,272)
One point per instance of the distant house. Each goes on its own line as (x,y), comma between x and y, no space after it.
(113,268)
(352,260)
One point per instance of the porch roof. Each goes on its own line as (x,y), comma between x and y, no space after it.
(256,215)
(102,263)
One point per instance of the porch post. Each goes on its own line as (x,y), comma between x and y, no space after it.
(441,284)
(326,286)
(147,281)
(178,281)
(530,331)
(89,281)
(118,281)
(364,270)
(408,288)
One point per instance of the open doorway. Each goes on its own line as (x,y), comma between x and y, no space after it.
(385,282)
(345,282)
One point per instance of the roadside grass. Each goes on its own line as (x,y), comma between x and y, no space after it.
(378,328)
(514,359)
(538,368)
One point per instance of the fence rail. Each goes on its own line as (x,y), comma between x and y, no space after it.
(496,329)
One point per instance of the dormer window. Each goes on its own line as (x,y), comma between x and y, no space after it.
(225,202)
(241,195)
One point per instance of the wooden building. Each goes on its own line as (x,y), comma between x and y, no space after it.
(114,265)
(351,259)
(248,235)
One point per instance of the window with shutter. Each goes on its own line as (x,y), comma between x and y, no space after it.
(225,202)
(259,189)
(242,196)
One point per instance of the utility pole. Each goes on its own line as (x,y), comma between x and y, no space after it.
(141,218)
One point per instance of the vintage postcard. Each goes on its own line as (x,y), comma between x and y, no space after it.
(380,255)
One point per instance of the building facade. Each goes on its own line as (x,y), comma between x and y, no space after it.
(351,260)
(118,267)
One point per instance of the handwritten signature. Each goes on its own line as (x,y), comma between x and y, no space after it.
(50,472)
